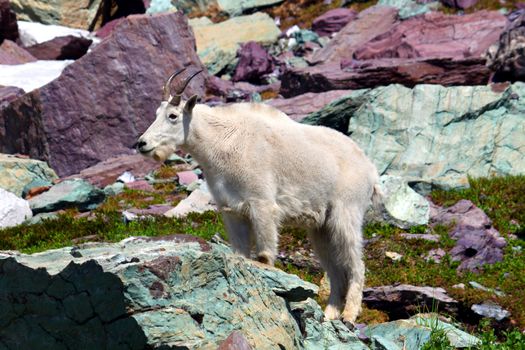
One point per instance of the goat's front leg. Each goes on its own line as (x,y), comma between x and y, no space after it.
(264,230)
(239,235)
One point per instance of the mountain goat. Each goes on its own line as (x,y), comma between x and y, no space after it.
(265,170)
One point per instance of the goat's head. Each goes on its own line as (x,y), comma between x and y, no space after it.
(168,131)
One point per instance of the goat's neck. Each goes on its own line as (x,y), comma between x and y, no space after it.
(209,137)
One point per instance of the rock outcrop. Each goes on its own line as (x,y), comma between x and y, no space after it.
(434,136)
(61,48)
(375,50)
(79,119)
(11,53)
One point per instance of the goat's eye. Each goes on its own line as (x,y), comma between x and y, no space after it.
(172,116)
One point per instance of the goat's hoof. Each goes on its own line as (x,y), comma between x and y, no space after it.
(331,313)
(264,260)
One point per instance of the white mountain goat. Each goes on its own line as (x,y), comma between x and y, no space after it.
(264,170)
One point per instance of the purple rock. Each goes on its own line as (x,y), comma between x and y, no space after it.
(478,243)
(332,21)
(141,185)
(254,62)
(8,25)
(235,341)
(61,48)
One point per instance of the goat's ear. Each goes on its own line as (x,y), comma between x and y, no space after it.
(188,107)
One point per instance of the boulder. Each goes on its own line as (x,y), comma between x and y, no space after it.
(29,76)
(217,44)
(299,107)
(430,136)
(254,62)
(332,21)
(366,26)
(32,33)
(16,173)
(402,206)
(505,58)
(405,299)
(375,50)
(8,25)
(79,120)
(13,210)
(76,14)
(477,242)
(11,53)
(107,172)
(165,292)
(75,193)
(61,48)
(459,4)
(436,35)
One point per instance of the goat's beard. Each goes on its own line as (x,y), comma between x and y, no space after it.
(160,154)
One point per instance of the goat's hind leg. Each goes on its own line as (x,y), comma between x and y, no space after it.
(239,235)
(339,247)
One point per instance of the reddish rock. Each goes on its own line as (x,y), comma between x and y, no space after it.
(152,210)
(61,48)
(108,28)
(367,25)
(235,341)
(8,25)
(141,185)
(187,177)
(332,21)
(11,53)
(254,62)
(300,106)
(373,73)
(436,35)
(101,103)
(107,172)
(459,4)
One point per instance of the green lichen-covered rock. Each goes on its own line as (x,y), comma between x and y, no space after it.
(217,44)
(415,332)
(409,8)
(16,173)
(435,136)
(237,7)
(75,193)
(166,292)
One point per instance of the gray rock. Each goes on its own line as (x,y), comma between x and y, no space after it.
(409,8)
(17,172)
(74,193)
(402,206)
(433,136)
(165,292)
(199,201)
(13,210)
(405,299)
(490,309)
(476,285)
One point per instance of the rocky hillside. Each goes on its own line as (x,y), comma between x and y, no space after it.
(102,248)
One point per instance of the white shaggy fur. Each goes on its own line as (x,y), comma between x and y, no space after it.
(264,170)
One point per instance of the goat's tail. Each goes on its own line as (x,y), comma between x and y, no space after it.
(377,196)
